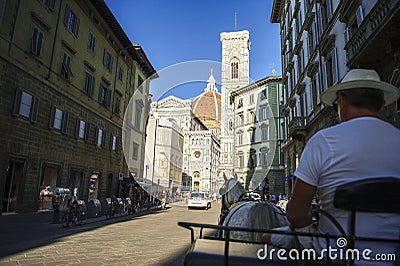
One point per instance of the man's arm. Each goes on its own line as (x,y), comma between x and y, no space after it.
(298,209)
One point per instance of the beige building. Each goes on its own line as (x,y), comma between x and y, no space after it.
(320,42)
(68,72)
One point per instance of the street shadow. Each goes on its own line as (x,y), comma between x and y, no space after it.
(25,231)
(179,258)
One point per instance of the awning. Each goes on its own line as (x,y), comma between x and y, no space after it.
(93,177)
(288,178)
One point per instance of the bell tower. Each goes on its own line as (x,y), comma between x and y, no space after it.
(234,75)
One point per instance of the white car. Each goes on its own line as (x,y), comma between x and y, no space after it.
(198,199)
(255,195)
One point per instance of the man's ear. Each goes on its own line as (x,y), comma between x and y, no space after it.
(382,106)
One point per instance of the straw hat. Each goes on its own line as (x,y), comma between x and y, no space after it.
(361,78)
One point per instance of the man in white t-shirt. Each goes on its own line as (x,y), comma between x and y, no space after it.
(361,147)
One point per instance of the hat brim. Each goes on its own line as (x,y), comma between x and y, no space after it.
(390,92)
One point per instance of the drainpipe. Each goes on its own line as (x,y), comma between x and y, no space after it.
(154,148)
(115,81)
(54,40)
(13,30)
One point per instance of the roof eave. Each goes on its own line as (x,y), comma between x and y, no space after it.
(276,11)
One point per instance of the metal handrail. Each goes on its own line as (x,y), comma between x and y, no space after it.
(190,226)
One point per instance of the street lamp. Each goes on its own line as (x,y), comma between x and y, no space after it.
(210,179)
(155,115)
(147,169)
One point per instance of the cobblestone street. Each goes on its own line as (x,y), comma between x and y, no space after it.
(151,239)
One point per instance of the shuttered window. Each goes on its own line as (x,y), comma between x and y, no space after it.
(108,60)
(71,20)
(58,119)
(82,129)
(50,4)
(88,86)
(113,143)
(117,104)
(92,42)
(66,66)
(36,41)
(105,96)
(100,137)
(26,105)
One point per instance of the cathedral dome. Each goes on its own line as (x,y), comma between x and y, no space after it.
(207,106)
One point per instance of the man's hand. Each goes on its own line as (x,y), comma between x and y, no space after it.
(298,209)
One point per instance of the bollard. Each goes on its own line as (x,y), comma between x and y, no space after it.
(56,209)
(59,195)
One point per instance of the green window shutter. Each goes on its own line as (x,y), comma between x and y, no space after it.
(96,135)
(91,86)
(17,102)
(108,100)
(77,124)
(64,125)
(76,26)
(66,14)
(103,141)
(34,109)
(52,5)
(87,131)
(51,118)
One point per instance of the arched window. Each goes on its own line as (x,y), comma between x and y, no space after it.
(230,125)
(234,70)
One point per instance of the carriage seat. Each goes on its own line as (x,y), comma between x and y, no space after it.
(211,253)
(369,195)
(379,195)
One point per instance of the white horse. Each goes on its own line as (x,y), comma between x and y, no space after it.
(240,210)
(282,204)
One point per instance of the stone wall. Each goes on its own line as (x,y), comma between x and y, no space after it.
(36,144)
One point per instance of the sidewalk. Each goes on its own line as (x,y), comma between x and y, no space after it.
(26,220)
(21,231)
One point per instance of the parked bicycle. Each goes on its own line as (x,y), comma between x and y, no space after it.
(125,206)
(113,207)
(138,206)
(75,214)
(129,206)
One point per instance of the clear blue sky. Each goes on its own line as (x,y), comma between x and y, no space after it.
(176,31)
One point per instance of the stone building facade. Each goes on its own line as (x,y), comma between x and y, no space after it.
(259,132)
(200,153)
(67,73)
(203,153)
(320,42)
(164,145)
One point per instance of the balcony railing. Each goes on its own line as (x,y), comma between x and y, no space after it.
(372,24)
(297,127)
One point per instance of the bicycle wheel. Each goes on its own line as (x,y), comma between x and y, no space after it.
(84,216)
(81,216)
(65,221)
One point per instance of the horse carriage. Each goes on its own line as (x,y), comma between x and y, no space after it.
(236,240)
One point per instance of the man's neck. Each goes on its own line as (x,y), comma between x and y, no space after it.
(357,113)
